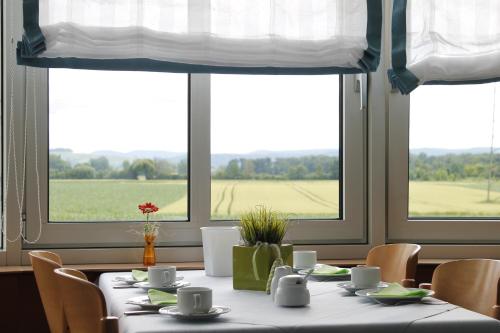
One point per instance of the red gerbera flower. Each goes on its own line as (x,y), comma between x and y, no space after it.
(148,207)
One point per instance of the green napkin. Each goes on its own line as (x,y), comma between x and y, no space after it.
(139,275)
(396,290)
(158,297)
(330,270)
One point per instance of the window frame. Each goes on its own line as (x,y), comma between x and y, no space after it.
(423,230)
(113,234)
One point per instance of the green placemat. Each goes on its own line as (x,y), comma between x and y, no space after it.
(158,297)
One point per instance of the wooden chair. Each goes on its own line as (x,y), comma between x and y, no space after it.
(84,304)
(397,262)
(473,284)
(44,263)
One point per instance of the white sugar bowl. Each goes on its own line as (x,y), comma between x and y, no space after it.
(292,291)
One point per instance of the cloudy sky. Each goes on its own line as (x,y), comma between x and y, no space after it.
(126,111)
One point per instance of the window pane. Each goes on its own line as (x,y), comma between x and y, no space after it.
(117,139)
(455,151)
(275,141)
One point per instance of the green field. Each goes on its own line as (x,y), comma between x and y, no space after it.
(117,200)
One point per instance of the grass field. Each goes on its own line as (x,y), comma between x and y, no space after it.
(90,200)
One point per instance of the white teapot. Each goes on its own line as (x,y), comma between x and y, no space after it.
(292,291)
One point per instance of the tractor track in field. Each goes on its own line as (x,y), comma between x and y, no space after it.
(311,197)
(221,200)
(326,202)
(231,200)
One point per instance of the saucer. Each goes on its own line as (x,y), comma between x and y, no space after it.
(214,312)
(350,287)
(173,287)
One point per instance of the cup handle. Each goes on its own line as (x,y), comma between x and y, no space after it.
(166,277)
(197,302)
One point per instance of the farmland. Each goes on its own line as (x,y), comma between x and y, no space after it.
(115,200)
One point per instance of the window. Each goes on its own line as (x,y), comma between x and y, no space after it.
(447,137)
(117,139)
(275,141)
(110,140)
(454,165)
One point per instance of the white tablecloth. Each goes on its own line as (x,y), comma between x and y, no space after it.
(331,310)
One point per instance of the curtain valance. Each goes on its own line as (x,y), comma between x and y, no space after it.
(444,42)
(211,36)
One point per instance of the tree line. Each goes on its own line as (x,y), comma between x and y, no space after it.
(100,168)
(454,167)
(422,167)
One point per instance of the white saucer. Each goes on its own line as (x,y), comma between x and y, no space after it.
(350,287)
(214,312)
(173,287)
(128,279)
(144,303)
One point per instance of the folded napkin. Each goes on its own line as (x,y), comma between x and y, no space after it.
(396,290)
(157,297)
(139,275)
(330,270)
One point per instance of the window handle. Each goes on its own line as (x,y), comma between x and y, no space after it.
(362,89)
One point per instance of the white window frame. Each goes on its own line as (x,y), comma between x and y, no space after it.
(114,234)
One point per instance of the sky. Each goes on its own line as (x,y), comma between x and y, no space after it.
(127,111)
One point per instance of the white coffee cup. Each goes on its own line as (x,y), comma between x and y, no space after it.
(365,276)
(304,259)
(161,276)
(194,300)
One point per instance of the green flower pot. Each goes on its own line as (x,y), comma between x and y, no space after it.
(244,277)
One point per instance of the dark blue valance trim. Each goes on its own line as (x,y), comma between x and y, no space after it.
(399,76)
(149,65)
(33,41)
(371,57)
(405,81)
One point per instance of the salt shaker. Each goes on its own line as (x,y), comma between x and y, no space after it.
(279,272)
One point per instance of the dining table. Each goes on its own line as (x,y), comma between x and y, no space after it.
(331,309)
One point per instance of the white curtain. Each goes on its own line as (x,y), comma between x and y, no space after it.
(239,33)
(450,40)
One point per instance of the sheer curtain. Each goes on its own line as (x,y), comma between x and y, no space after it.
(291,34)
(445,42)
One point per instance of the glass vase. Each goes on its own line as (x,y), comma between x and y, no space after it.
(149,257)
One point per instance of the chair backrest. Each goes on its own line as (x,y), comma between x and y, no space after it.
(397,262)
(44,263)
(84,304)
(473,284)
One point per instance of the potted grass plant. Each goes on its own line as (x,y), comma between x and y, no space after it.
(262,232)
